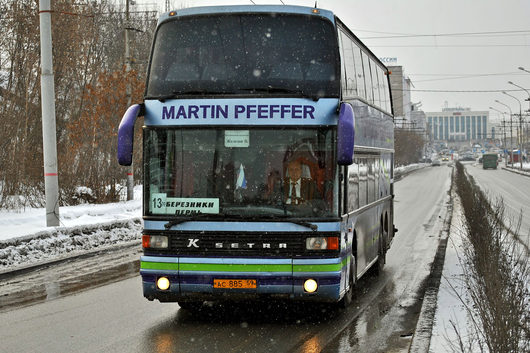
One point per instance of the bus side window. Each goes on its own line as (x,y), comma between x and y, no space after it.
(361,88)
(368,78)
(351,88)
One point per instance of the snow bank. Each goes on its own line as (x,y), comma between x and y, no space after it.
(62,241)
(25,239)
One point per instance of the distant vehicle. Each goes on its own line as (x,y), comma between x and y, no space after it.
(436,163)
(425,160)
(445,159)
(467,157)
(489,160)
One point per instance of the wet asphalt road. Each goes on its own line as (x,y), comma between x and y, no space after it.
(382,318)
(514,189)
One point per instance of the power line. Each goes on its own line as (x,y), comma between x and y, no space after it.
(456,77)
(455,91)
(458,34)
(450,46)
(461,74)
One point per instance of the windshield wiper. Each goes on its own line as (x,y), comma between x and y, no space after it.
(313,227)
(272,89)
(207,216)
(202,216)
(196,217)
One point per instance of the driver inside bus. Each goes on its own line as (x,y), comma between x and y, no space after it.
(299,188)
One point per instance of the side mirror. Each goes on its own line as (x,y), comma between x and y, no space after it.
(126,134)
(345,135)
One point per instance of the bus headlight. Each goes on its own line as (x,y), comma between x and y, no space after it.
(162,283)
(155,241)
(322,243)
(310,285)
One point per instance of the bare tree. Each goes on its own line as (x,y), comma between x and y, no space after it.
(88,39)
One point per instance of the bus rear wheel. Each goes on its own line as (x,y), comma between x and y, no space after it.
(381,257)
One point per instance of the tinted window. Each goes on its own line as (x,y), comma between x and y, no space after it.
(230,54)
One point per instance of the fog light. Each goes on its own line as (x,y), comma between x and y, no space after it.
(162,283)
(310,286)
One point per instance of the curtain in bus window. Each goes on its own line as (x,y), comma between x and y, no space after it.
(363,182)
(368,78)
(353,186)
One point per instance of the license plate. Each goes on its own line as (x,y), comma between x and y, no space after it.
(234,283)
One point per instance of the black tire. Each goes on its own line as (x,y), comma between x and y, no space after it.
(348,297)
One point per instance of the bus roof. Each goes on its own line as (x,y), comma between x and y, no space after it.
(204,10)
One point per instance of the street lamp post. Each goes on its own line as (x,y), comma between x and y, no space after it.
(511,130)
(520,131)
(524,89)
(503,129)
(521,127)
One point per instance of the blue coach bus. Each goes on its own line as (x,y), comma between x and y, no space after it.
(267,157)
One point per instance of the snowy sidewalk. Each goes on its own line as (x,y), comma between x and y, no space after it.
(23,223)
(25,240)
(449,309)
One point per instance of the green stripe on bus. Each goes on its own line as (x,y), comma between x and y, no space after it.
(159,266)
(318,268)
(235,267)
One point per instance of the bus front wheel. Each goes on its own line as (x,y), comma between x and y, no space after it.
(348,296)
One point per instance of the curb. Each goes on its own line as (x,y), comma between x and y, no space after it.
(7,274)
(516,171)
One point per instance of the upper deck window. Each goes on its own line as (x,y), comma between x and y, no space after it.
(256,54)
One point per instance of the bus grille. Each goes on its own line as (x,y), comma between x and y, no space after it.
(229,244)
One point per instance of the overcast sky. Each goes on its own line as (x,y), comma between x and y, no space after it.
(451,45)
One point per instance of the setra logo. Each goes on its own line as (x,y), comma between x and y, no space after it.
(193,243)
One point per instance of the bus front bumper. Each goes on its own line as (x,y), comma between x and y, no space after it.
(192,278)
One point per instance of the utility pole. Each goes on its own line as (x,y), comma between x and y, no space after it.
(130,171)
(504,137)
(49,138)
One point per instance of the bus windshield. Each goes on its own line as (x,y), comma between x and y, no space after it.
(258,173)
(246,54)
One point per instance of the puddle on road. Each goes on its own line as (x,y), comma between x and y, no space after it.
(53,283)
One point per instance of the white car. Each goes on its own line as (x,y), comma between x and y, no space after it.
(436,163)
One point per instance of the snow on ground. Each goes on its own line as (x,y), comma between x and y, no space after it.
(15,224)
(517,167)
(449,309)
(404,170)
(26,240)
